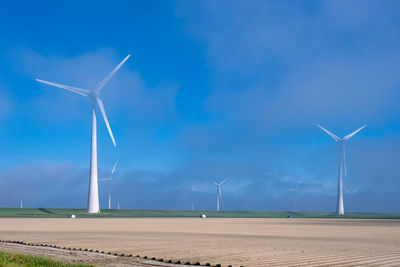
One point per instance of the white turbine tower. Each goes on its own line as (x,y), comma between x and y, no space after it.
(110,180)
(93,199)
(294,191)
(219,192)
(342,165)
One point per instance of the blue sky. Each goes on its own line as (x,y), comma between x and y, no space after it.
(214,90)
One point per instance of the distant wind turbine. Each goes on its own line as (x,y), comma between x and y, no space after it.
(21,204)
(352,191)
(342,165)
(294,191)
(110,180)
(94,96)
(219,192)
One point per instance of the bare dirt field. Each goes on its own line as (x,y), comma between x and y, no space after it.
(236,242)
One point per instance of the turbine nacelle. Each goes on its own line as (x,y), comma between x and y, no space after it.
(295,189)
(94,95)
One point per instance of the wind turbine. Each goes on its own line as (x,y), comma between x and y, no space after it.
(110,180)
(294,190)
(351,192)
(342,165)
(94,96)
(20,204)
(219,192)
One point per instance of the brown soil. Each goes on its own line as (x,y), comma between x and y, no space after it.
(247,242)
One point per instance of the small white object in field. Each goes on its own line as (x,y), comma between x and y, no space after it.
(72,216)
(203,216)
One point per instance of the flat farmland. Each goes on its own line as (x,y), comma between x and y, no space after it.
(225,241)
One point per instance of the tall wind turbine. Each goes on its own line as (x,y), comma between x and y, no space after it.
(294,191)
(342,165)
(110,180)
(219,192)
(94,96)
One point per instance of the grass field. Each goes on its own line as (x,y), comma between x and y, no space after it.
(14,260)
(81,213)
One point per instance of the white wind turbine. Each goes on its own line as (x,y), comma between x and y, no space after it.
(110,180)
(93,95)
(342,165)
(294,191)
(219,192)
(351,192)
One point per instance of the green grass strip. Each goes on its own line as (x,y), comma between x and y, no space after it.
(17,260)
(131,213)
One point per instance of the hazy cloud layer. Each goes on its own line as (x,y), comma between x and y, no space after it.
(286,63)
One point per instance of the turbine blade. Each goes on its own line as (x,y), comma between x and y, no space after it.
(214,183)
(219,192)
(113,169)
(223,181)
(101,106)
(77,90)
(347,137)
(344,160)
(337,139)
(109,76)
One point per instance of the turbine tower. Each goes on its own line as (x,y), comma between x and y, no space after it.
(110,180)
(219,192)
(342,165)
(94,96)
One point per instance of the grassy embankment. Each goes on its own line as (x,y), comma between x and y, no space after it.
(114,213)
(14,260)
